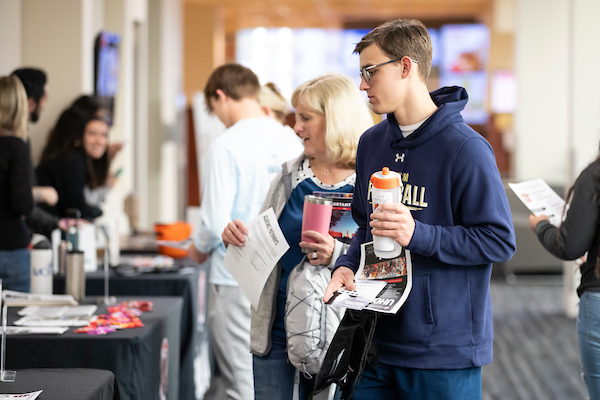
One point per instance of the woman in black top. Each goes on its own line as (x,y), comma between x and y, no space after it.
(579,234)
(75,158)
(16,199)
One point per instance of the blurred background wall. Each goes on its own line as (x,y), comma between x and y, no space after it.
(532,79)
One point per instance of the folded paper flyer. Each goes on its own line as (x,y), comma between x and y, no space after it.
(382,285)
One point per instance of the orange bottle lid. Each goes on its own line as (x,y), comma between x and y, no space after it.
(385,179)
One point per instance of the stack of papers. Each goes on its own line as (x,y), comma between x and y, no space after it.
(36,330)
(16,299)
(35,316)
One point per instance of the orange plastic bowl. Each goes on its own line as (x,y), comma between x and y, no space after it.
(176,231)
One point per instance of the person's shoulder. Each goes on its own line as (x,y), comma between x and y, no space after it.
(12,142)
(591,171)
(460,136)
(14,148)
(71,158)
(462,130)
(373,134)
(245,128)
(69,163)
(264,125)
(377,128)
(594,165)
(294,163)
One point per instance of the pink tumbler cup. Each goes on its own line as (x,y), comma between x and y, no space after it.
(316,216)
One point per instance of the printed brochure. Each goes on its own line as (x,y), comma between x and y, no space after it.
(342,226)
(382,284)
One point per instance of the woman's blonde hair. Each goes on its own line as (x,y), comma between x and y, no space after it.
(346,114)
(14,112)
(270,96)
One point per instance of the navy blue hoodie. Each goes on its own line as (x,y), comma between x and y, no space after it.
(463,224)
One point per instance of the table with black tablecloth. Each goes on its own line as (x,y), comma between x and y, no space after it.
(144,360)
(183,283)
(64,384)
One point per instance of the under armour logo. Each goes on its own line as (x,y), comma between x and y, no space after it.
(399,157)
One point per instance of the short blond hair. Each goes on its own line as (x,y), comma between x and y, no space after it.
(14,112)
(269,96)
(346,114)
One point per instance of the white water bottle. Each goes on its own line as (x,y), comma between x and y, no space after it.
(386,187)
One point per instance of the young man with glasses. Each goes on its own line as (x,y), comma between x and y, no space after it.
(454,218)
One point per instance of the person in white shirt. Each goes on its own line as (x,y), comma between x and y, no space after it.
(239,167)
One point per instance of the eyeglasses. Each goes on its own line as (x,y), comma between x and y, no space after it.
(366,75)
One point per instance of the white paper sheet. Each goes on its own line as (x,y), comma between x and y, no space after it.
(36,330)
(251,264)
(540,199)
(58,312)
(24,396)
(58,322)
(176,244)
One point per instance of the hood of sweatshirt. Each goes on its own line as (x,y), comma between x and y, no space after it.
(450,102)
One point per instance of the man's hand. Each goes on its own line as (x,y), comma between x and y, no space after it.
(533,220)
(343,276)
(397,224)
(195,255)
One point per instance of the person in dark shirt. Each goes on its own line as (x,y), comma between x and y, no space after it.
(34,81)
(577,236)
(75,158)
(16,198)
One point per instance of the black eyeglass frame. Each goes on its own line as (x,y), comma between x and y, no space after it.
(364,71)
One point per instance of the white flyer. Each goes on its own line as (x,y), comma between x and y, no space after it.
(382,284)
(540,199)
(251,264)
(24,396)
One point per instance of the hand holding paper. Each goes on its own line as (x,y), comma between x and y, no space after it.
(252,263)
(540,199)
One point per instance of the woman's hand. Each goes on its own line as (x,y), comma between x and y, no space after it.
(45,194)
(65,223)
(235,233)
(321,251)
(533,220)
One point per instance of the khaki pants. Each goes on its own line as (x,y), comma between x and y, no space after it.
(229,328)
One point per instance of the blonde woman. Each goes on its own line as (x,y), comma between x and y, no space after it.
(275,106)
(16,199)
(330,117)
(273,103)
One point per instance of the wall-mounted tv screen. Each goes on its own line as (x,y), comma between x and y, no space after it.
(106,71)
